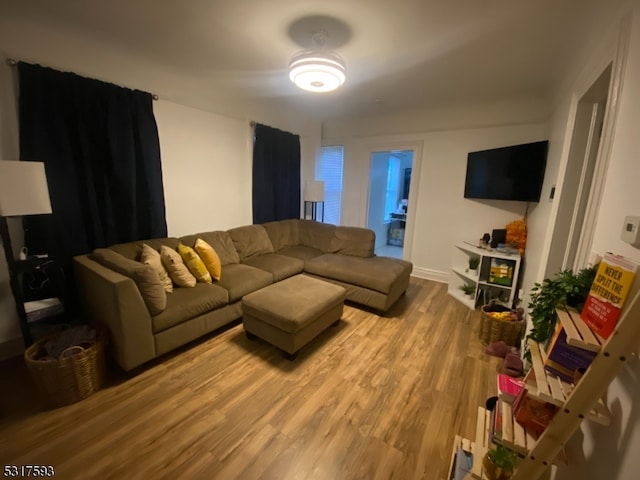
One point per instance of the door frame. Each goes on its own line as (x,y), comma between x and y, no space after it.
(416,146)
(618,62)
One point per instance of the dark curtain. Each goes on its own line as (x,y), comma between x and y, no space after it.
(276,175)
(100,146)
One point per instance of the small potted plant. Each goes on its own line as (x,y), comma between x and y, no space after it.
(473,263)
(468,289)
(566,288)
(499,463)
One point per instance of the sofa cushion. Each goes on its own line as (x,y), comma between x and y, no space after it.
(315,234)
(280,266)
(301,252)
(210,258)
(176,268)
(133,250)
(283,233)
(240,279)
(194,263)
(250,240)
(187,303)
(144,276)
(375,273)
(151,257)
(221,243)
(359,242)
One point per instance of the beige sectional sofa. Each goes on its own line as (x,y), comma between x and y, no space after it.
(252,257)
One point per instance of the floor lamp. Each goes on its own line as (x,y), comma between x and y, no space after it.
(23,191)
(314,195)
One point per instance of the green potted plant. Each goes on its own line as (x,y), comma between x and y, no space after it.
(468,289)
(499,463)
(566,288)
(474,262)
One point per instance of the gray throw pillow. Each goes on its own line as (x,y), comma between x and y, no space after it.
(144,276)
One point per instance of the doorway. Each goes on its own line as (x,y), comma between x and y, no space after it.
(390,174)
(571,243)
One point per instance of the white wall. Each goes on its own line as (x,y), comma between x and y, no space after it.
(612,452)
(206,169)
(597,452)
(442,217)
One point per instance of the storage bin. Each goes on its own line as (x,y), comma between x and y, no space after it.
(495,329)
(78,374)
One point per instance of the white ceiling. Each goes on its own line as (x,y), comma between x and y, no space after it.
(400,54)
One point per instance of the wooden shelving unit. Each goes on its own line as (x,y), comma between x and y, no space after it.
(551,389)
(576,402)
(478,447)
(479,278)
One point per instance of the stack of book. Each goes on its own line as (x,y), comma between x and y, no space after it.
(564,360)
(533,414)
(508,387)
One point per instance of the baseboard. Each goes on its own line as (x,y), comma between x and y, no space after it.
(11,348)
(428,274)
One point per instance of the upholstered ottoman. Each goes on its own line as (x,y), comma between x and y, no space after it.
(291,313)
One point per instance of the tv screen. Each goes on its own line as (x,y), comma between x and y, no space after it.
(507,173)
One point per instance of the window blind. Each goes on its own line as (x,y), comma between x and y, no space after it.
(329,170)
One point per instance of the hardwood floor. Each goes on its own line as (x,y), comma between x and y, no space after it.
(376,397)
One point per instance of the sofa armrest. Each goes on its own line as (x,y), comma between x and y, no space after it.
(113,301)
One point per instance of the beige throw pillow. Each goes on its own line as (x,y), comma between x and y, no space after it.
(151,257)
(176,268)
(210,258)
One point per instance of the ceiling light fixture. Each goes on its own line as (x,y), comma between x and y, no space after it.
(317,70)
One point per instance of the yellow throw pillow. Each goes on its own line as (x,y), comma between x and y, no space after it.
(194,263)
(210,258)
(151,257)
(176,268)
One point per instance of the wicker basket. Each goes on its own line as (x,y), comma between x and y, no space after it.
(495,329)
(67,380)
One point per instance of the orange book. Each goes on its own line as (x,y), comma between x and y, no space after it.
(608,293)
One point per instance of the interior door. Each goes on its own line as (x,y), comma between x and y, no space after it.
(389,196)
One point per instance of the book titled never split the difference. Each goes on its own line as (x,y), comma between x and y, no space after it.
(608,293)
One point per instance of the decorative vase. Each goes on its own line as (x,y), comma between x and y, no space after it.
(493,471)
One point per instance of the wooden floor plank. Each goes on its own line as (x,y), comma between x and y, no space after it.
(376,397)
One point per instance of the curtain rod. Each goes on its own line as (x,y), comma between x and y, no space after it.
(12,63)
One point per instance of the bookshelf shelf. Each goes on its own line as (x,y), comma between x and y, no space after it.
(515,438)
(477,448)
(551,389)
(483,279)
(578,333)
(579,401)
(518,438)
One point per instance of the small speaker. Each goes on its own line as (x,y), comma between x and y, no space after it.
(497,237)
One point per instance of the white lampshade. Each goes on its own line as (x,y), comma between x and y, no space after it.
(23,189)
(314,191)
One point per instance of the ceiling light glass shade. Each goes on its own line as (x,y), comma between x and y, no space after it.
(317,70)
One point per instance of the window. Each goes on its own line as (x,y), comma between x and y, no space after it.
(329,170)
(393,187)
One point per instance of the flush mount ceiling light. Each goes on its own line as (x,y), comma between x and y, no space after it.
(318,69)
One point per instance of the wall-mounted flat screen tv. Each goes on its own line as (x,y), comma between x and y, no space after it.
(508,173)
